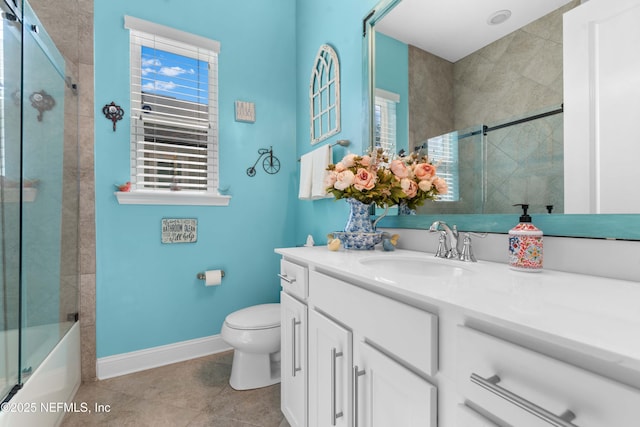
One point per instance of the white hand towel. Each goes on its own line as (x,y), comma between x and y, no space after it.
(321,159)
(306,176)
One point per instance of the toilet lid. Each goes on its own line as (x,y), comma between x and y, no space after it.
(261,316)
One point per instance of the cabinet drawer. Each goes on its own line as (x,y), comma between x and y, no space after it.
(294,279)
(404,331)
(467,417)
(523,387)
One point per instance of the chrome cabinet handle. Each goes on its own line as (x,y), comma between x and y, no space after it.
(356,375)
(286,278)
(491,384)
(334,416)
(294,369)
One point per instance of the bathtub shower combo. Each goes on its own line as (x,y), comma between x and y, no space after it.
(39,335)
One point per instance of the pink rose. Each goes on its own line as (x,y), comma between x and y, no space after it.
(409,187)
(441,185)
(399,169)
(340,167)
(364,180)
(365,161)
(425,185)
(349,160)
(343,180)
(424,171)
(330,179)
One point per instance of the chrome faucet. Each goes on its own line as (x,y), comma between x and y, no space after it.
(448,243)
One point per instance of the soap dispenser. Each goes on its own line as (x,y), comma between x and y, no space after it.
(525,244)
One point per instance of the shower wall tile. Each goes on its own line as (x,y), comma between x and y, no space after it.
(70,25)
(430,96)
(87,306)
(85,84)
(85,30)
(88,351)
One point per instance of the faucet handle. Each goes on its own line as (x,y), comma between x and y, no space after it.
(442,245)
(467,251)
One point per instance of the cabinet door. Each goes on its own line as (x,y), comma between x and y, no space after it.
(293,352)
(388,394)
(330,357)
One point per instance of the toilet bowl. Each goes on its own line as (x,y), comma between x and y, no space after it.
(254,334)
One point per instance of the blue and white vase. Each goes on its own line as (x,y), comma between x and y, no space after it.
(359,233)
(359,219)
(404,209)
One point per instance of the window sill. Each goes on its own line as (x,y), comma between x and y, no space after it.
(171,198)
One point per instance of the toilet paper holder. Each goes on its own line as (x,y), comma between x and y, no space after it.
(202,276)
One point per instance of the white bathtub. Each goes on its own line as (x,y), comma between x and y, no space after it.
(41,401)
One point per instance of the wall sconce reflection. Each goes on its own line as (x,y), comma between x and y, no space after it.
(42,102)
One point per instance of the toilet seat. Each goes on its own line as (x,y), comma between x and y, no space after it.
(263,316)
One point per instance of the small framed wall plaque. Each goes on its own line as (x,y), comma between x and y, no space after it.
(245,112)
(179,230)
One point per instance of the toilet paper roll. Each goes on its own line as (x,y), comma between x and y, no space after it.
(212,277)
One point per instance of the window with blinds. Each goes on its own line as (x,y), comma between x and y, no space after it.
(443,152)
(174,113)
(385,121)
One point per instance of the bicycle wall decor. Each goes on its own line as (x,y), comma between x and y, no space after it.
(270,163)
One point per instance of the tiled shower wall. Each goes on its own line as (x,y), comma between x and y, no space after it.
(70,25)
(516,76)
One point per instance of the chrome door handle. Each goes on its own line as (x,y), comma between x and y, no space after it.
(334,416)
(356,375)
(491,384)
(294,369)
(286,278)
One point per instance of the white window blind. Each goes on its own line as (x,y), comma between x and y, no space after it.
(174,109)
(385,121)
(443,152)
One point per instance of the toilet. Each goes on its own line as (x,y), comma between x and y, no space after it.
(254,334)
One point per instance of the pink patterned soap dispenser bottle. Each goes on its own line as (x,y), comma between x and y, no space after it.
(525,244)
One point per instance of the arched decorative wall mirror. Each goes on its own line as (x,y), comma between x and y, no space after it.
(324,95)
(495,88)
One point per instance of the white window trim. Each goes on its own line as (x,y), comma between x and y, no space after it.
(192,198)
(184,197)
(388,98)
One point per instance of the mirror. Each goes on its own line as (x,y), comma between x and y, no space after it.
(556,224)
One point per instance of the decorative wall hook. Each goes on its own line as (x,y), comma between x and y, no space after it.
(113,112)
(42,102)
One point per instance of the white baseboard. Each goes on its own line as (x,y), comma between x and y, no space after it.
(135,361)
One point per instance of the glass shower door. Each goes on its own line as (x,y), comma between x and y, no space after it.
(10,184)
(50,206)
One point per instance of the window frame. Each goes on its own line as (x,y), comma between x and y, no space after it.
(210,196)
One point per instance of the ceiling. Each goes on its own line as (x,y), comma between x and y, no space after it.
(452,29)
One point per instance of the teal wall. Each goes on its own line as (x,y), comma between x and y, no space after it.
(339,24)
(147,293)
(392,75)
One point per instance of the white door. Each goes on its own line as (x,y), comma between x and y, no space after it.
(293,362)
(602,106)
(388,394)
(330,357)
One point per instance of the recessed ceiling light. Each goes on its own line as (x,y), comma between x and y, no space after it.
(498,17)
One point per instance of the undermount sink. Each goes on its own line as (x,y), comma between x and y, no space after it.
(392,266)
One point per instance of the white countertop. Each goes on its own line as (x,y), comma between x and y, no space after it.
(594,314)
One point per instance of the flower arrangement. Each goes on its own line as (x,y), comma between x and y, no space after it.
(374,179)
(418,179)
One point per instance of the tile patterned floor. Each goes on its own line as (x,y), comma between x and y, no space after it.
(194,393)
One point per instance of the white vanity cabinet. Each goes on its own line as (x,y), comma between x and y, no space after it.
(527,389)
(330,361)
(486,348)
(363,350)
(293,343)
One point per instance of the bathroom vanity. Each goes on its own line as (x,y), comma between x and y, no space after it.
(405,339)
